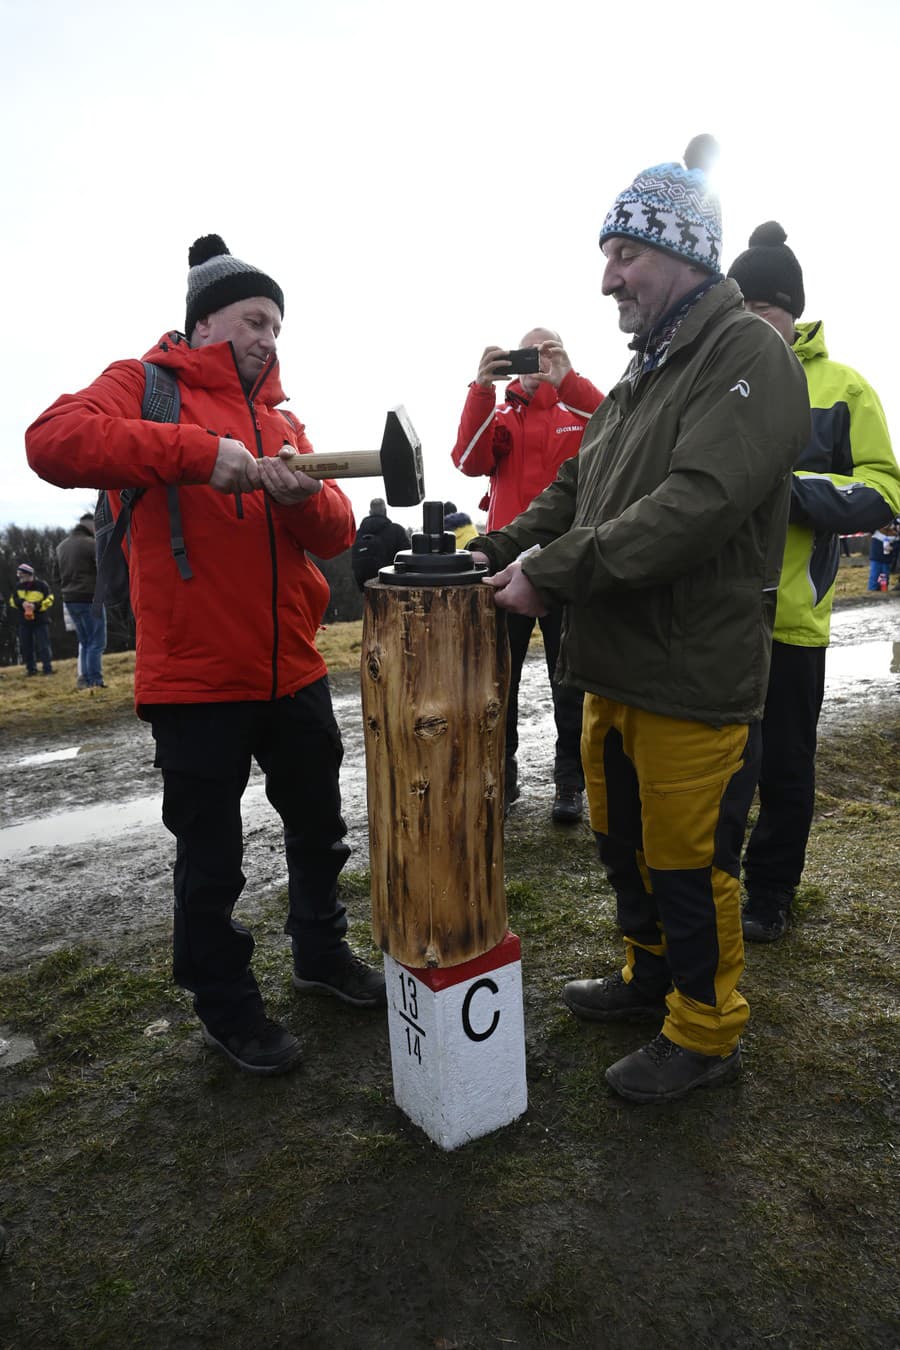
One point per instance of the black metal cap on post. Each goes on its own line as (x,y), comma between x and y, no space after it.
(433,559)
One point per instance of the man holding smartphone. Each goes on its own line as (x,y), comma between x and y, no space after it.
(520,446)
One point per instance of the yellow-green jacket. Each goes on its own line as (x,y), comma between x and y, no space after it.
(846,480)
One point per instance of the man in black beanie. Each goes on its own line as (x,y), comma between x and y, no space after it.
(846,480)
(227,667)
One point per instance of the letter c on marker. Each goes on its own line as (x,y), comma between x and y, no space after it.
(467,1025)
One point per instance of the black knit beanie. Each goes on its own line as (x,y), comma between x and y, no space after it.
(768,271)
(217,279)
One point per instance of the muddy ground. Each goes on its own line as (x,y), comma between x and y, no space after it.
(154,1198)
(86,856)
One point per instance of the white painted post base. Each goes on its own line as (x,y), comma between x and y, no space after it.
(458,1044)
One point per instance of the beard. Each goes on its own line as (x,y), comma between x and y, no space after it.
(634,318)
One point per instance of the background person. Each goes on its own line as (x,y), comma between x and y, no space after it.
(459,524)
(882,556)
(227,669)
(378,541)
(846,480)
(32,600)
(520,446)
(663,538)
(76,559)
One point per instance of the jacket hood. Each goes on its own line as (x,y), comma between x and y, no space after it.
(213,368)
(810,341)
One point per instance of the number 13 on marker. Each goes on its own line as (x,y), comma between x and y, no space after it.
(410,1013)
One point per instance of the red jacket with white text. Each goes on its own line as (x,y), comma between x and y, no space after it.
(243,626)
(521,443)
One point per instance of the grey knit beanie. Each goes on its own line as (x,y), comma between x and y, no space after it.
(672,208)
(217,279)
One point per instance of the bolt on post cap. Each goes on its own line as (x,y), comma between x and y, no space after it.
(433,559)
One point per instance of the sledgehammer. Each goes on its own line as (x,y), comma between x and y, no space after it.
(398,462)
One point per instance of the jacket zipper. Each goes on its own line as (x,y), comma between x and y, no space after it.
(257,431)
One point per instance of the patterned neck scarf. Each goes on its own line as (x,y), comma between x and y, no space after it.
(652,349)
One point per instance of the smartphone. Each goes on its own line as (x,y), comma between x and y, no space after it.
(524,361)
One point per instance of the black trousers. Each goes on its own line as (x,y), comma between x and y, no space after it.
(205,752)
(776,849)
(567,702)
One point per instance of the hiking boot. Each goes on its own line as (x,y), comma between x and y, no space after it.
(764,917)
(81,683)
(259,1046)
(348,978)
(568,805)
(612,999)
(662,1071)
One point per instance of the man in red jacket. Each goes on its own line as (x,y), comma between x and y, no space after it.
(520,445)
(227,668)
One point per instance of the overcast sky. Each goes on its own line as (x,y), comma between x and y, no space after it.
(421,180)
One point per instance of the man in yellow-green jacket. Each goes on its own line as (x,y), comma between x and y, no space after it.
(846,480)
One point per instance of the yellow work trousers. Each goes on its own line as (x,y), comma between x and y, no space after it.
(668,803)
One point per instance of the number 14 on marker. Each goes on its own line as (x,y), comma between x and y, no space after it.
(410,1013)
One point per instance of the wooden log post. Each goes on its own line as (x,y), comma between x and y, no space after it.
(435,675)
(435,680)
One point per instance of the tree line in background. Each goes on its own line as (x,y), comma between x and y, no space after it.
(38,547)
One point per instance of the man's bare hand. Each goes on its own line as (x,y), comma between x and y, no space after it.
(555,363)
(234,469)
(513,591)
(494,365)
(285,485)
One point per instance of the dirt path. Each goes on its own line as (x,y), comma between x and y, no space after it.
(86,856)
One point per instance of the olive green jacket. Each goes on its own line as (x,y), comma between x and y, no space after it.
(663,537)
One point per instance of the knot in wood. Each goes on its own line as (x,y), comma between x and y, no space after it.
(491,715)
(429,728)
(373,666)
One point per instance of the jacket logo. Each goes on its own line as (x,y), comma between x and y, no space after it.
(742,388)
(561,430)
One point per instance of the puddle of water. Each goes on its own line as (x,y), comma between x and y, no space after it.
(863,662)
(80,826)
(47,757)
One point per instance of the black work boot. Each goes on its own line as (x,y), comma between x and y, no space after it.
(568,805)
(612,999)
(764,917)
(662,1071)
(256,1045)
(346,976)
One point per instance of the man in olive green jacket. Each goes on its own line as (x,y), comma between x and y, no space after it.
(663,538)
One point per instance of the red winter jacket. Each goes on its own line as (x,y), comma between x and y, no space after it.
(243,627)
(522,443)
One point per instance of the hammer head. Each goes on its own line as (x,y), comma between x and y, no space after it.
(401,461)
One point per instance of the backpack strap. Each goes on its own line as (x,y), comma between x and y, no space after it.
(162,403)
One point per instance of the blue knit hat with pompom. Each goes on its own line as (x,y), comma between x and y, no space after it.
(671,207)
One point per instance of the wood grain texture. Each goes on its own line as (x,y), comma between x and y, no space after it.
(435,678)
